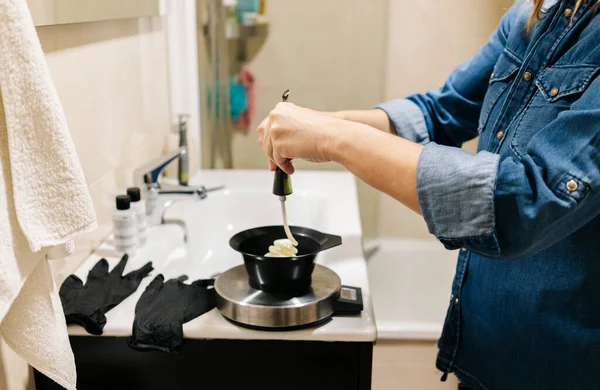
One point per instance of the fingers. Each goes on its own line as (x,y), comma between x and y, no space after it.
(141,273)
(72,283)
(287,166)
(261,132)
(182,278)
(275,160)
(261,128)
(156,283)
(99,270)
(267,140)
(263,138)
(284,163)
(204,283)
(179,281)
(118,270)
(69,290)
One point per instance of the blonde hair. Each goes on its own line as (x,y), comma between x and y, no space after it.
(537,7)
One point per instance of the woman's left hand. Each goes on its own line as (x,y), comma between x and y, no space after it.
(295,132)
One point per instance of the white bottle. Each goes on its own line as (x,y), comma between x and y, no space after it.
(139,209)
(151,197)
(124,226)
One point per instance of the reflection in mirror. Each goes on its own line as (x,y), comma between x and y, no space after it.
(233,33)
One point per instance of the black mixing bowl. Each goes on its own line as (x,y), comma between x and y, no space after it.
(281,275)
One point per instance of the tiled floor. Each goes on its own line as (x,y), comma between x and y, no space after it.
(399,365)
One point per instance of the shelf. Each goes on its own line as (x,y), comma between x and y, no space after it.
(240,30)
(52,12)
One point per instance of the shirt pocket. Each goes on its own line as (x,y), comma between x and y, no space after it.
(557,88)
(504,73)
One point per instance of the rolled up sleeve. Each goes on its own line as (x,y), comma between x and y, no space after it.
(450,115)
(455,190)
(514,207)
(408,120)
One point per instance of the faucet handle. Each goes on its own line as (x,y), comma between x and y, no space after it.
(149,172)
(200,191)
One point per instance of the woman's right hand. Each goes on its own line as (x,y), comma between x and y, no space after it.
(376,118)
(261,128)
(264,124)
(292,132)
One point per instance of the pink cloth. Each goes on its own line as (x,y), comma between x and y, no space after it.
(248,80)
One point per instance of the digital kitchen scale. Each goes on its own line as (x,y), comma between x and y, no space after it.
(253,308)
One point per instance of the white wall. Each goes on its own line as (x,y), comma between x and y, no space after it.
(111,78)
(426,41)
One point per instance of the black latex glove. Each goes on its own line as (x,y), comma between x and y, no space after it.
(86,305)
(163,309)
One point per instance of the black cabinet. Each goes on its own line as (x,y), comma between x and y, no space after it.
(108,363)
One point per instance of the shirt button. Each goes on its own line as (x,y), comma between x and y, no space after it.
(491,76)
(456,301)
(527,76)
(572,185)
(554,92)
(500,134)
(568,12)
(463,249)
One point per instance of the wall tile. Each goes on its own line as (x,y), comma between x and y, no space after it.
(111,78)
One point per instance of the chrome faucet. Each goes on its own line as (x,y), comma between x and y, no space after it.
(146,177)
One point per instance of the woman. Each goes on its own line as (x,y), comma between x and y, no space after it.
(525,306)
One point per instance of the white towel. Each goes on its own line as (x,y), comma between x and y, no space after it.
(44,200)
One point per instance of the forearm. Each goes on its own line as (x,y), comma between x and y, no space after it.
(375,118)
(384,161)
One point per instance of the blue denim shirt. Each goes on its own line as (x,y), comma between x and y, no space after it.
(525,306)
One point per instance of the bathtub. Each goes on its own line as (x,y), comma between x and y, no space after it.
(410,284)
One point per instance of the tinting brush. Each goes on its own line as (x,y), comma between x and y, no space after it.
(282,183)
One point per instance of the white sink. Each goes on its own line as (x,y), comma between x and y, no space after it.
(325,201)
(211,222)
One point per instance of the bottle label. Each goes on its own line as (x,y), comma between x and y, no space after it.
(125,229)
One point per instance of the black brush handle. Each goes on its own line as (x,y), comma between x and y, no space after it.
(282,184)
